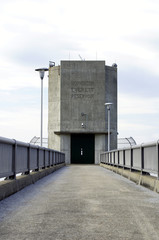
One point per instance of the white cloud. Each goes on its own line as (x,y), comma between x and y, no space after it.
(35,31)
(142,133)
(22,124)
(138,117)
(129,104)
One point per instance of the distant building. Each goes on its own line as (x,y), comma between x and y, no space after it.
(77,118)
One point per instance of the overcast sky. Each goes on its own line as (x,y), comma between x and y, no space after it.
(33,32)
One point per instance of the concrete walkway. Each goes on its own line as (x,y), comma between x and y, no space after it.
(81,202)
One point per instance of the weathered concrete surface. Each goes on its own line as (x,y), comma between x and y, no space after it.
(144,180)
(77,88)
(81,202)
(9,187)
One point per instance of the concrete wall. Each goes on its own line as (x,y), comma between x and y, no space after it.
(66,146)
(83,91)
(54,105)
(77,93)
(99,146)
(136,176)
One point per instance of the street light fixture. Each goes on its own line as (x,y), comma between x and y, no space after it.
(108,108)
(41,73)
(86,118)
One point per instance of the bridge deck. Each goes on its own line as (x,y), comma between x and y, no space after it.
(81,202)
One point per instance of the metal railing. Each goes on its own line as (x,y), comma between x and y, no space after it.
(19,157)
(144,158)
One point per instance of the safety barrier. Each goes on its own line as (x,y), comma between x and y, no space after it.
(144,158)
(19,157)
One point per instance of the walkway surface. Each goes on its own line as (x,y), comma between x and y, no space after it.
(81,202)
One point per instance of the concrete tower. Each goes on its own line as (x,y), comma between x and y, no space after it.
(77,122)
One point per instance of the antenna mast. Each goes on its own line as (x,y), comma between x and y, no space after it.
(81,58)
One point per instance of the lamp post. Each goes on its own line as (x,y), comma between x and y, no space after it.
(108,108)
(41,72)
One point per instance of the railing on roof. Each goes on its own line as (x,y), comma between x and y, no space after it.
(126,142)
(36,141)
(144,158)
(19,157)
(122,142)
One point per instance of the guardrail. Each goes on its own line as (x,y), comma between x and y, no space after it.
(19,157)
(144,158)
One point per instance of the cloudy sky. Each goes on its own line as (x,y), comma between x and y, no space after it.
(33,32)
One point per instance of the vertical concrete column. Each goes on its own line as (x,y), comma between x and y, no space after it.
(99,146)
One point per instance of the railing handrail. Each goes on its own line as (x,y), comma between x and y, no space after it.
(143,157)
(17,156)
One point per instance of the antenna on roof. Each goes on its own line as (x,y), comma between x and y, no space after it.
(81,58)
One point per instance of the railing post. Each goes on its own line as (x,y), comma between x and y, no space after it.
(131,159)
(44,162)
(50,157)
(55,158)
(114,159)
(14,158)
(142,158)
(38,159)
(157,155)
(110,158)
(123,158)
(28,161)
(60,158)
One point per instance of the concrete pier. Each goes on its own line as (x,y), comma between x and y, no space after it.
(81,202)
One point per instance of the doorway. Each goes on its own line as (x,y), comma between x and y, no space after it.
(82,148)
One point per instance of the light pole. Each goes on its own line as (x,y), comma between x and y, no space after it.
(41,72)
(108,108)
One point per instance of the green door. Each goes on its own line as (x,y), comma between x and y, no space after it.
(82,148)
